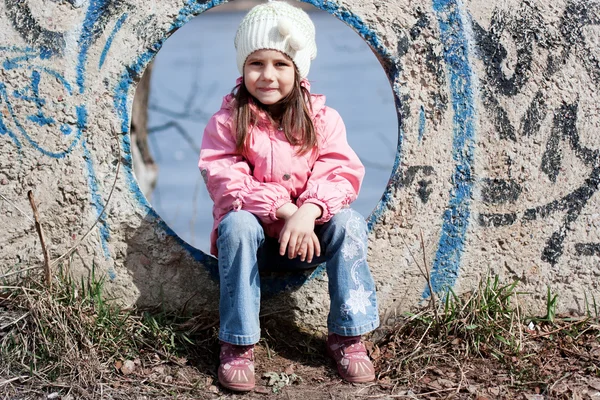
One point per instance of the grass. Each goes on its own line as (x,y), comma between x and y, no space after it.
(72,333)
(73,336)
(489,324)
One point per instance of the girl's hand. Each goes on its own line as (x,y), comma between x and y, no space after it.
(286,211)
(298,234)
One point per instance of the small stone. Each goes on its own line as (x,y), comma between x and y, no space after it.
(128,367)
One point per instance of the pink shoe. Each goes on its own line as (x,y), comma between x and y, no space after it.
(236,371)
(353,363)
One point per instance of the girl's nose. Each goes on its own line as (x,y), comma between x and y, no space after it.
(268,72)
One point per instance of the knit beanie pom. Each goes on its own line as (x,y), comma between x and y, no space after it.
(296,42)
(284,26)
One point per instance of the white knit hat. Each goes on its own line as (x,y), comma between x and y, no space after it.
(278,26)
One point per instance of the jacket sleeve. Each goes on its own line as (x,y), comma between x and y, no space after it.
(337,173)
(229,178)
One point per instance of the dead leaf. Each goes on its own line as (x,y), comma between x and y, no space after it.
(261,390)
(594,384)
(534,397)
(435,385)
(160,370)
(446,383)
(213,389)
(118,365)
(376,353)
(289,369)
(494,391)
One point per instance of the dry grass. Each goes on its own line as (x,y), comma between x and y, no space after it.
(71,340)
(70,336)
(482,338)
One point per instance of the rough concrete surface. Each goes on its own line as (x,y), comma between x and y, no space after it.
(498,162)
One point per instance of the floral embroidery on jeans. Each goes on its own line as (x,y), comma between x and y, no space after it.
(356,247)
(350,250)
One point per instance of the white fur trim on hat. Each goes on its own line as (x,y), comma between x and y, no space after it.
(279,26)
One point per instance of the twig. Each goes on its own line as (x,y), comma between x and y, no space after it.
(177,126)
(462,374)
(428,277)
(519,321)
(3,327)
(14,205)
(558,380)
(397,396)
(562,328)
(38,228)
(16,378)
(101,214)
(17,272)
(425,273)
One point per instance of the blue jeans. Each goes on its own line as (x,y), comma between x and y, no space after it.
(244,249)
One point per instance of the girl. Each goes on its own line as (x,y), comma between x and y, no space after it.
(281,175)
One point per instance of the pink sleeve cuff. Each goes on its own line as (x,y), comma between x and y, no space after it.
(325,215)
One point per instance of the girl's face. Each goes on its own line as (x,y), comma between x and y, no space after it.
(269,75)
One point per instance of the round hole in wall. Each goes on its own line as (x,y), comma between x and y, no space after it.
(196,67)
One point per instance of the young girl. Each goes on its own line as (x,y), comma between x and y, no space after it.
(281,175)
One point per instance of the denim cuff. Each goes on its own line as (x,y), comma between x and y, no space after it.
(353,330)
(239,340)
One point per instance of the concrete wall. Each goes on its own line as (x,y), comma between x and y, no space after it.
(498,162)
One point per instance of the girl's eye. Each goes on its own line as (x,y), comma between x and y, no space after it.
(257,63)
(282,64)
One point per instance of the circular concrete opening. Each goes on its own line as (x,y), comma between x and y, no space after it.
(196,67)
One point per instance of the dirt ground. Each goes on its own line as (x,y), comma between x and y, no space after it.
(292,365)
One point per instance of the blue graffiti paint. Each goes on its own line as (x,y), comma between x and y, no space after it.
(4,98)
(456,217)
(4,130)
(12,63)
(94,12)
(66,129)
(19,49)
(35,98)
(110,39)
(15,63)
(368,34)
(94,189)
(189,10)
(371,37)
(422,123)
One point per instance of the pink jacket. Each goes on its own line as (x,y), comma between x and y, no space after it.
(273,174)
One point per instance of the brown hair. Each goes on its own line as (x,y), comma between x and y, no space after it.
(293,113)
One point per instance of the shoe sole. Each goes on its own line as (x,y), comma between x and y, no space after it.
(236,388)
(364,379)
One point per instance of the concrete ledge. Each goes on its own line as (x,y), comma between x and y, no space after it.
(498,159)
